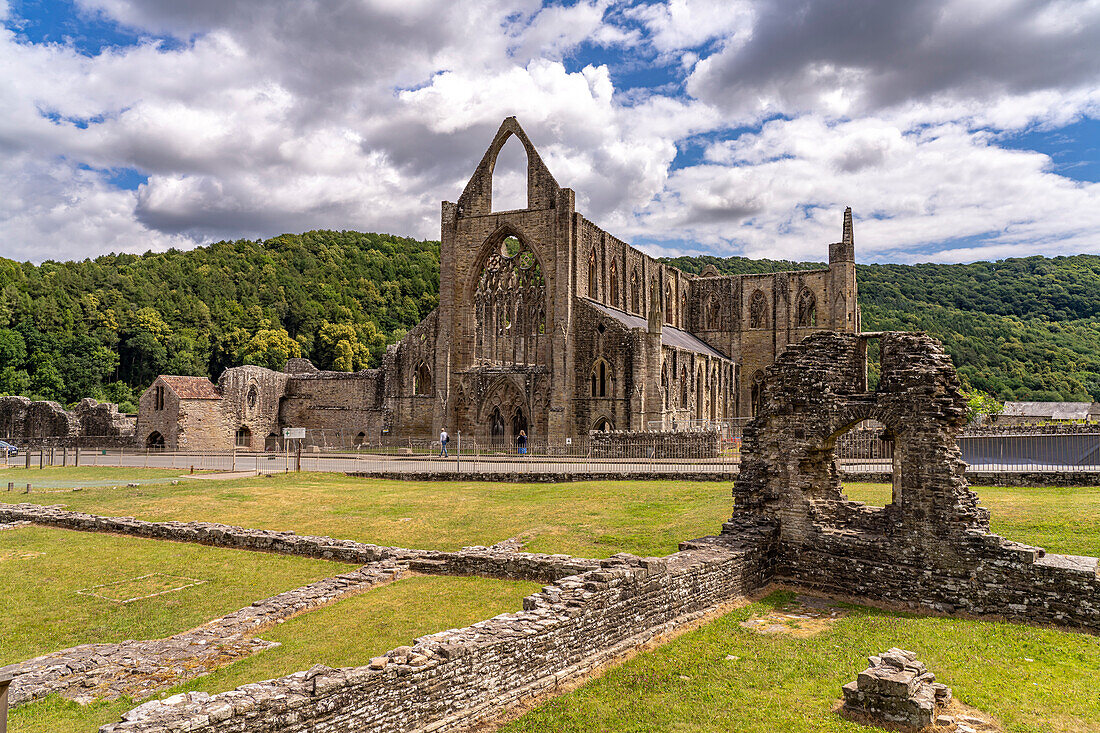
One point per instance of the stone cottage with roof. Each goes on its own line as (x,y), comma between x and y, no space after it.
(546,324)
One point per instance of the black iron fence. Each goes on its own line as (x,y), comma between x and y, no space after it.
(862,450)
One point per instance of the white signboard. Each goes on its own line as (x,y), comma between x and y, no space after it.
(294,433)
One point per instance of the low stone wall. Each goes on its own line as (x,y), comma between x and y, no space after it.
(456,679)
(1000,478)
(977,573)
(656,445)
(484,561)
(1010,428)
(142,668)
(551,477)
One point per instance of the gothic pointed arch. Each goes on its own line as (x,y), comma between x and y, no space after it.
(613,284)
(635,292)
(422,379)
(601,379)
(670,304)
(476,198)
(756,394)
(509,297)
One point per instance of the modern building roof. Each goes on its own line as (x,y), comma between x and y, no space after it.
(670,335)
(1049,410)
(192,388)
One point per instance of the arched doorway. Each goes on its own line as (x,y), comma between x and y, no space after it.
(271,442)
(496,425)
(155,441)
(519,423)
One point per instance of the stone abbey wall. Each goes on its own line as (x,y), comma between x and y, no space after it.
(701,444)
(28,423)
(932,545)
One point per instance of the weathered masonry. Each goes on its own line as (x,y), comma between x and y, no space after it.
(546,324)
(931,548)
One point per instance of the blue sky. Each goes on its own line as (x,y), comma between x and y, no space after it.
(956,129)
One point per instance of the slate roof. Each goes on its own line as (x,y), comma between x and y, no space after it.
(670,335)
(1049,410)
(192,388)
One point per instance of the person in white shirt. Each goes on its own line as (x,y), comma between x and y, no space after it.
(443,438)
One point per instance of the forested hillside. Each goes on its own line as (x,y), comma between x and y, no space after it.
(106,327)
(1020,329)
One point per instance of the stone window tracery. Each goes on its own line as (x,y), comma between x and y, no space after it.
(807,309)
(600,379)
(758,310)
(510,305)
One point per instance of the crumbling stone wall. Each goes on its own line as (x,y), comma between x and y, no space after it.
(29,423)
(932,544)
(700,444)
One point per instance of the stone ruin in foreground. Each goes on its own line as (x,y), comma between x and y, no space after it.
(930,549)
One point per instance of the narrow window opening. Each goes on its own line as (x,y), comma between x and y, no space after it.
(510,177)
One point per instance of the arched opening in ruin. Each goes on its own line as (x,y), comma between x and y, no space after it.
(252,398)
(155,441)
(422,379)
(714,394)
(683,310)
(244,437)
(635,293)
(360,439)
(700,400)
(685,387)
(496,424)
(602,425)
(756,393)
(864,446)
(613,285)
(593,274)
(600,379)
(510,176)
(669,304)
(519,423)
(271,442)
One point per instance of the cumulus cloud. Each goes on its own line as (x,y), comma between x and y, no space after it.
(261,116)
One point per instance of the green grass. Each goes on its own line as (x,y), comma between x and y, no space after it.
(593,519)
(78,476)
(1058,519)
(782,683)
(584,518)
(41,570)
(345,634)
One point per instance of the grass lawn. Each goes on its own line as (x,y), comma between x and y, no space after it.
(1058,519)
(583,518)
(41,570)
(1032,679)
(593,519)
(55,476)
(345,634)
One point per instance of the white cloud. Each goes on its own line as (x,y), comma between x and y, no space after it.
(275,115)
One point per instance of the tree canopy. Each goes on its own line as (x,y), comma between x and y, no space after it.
(1025,328)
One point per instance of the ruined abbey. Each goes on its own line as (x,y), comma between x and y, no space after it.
(546,324)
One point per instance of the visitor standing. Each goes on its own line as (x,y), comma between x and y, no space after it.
(443,438)
(522,442)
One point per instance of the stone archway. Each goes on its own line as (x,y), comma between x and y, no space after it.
(814,393)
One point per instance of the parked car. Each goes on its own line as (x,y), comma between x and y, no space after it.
(8,448)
